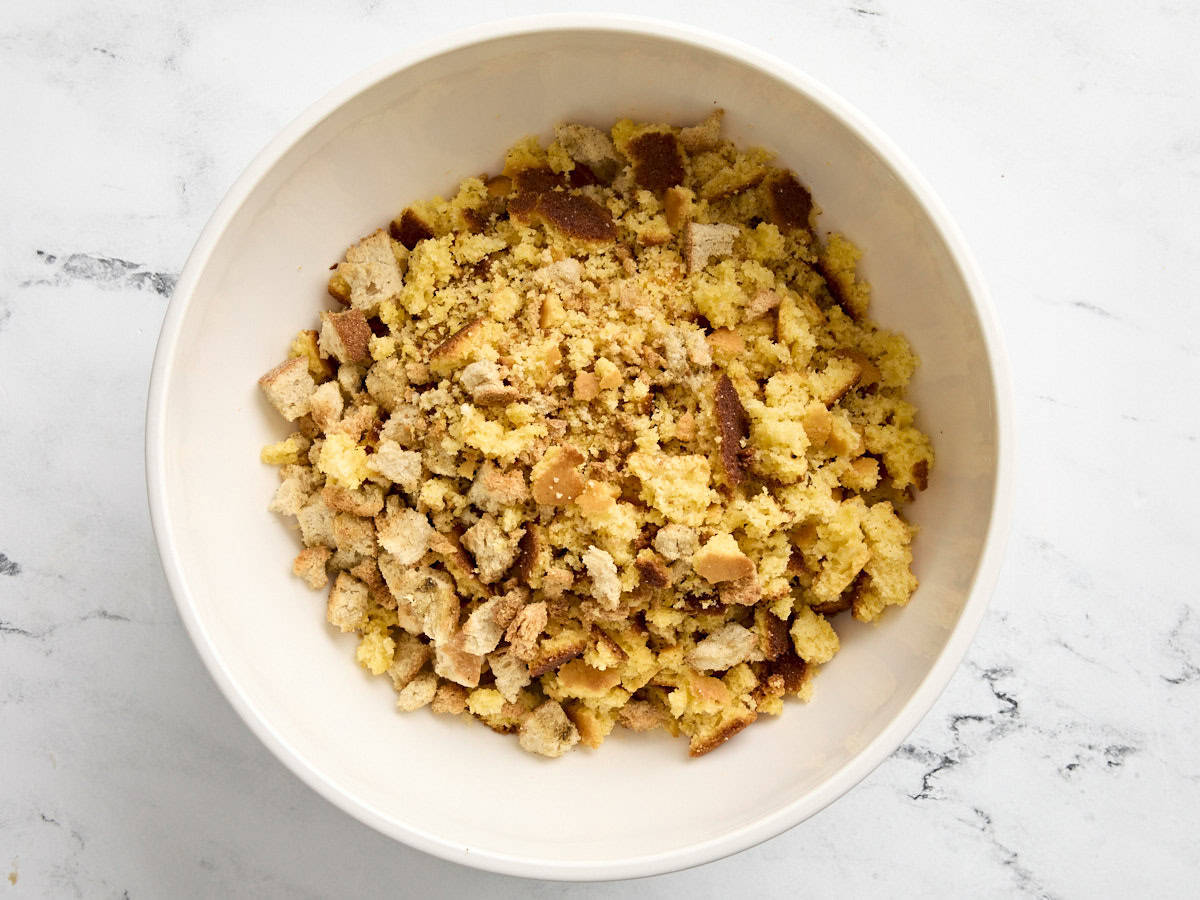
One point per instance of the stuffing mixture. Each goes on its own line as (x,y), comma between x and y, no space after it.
(606,439)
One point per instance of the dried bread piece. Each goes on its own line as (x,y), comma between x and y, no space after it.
(289,387)
(354,534)
(548,731)
(762,303)
(366,500)
(511,674)
(774,640)
(404,533)
(290,496)
(657,159)
(348,600)
(675,541)
(589,146)
(652,569)
(417,693)
(741,592)
(734,429)
(450,699)
(789,203)
(408,659)
(372,273)
(525,629)
(410,228)
(569,215)
(641,715)
(346,337)
(724,648)
(493,549)
(606,584)
(310,565)
(316,522)
(397,465)
(704,136)
(486,624)
(679,207)
(495,489)
(326,405)
(703,243)
(454,662)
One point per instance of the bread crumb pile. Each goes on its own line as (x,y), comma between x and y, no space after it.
(607,439)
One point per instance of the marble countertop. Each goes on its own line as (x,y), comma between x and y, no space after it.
(1063,758)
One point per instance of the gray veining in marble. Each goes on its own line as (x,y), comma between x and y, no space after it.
(1062,760)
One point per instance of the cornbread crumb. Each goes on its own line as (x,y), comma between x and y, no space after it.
(485,702)
(813,637)
(677,486)
(343,461)
(374,652)
(290,451)
(305,346)
(720,559)
(606,439)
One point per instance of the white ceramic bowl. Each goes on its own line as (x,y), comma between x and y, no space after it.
(414,126)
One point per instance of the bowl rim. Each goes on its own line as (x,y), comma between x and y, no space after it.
(865,760)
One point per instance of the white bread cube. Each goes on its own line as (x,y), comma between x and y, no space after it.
(403,532)
(417,693)
(348,599)
(548,732)
(373,271)
(289,386)
(346,337)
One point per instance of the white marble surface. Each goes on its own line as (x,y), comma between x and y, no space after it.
(1061,761)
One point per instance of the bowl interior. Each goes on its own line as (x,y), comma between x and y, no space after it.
(639,804)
